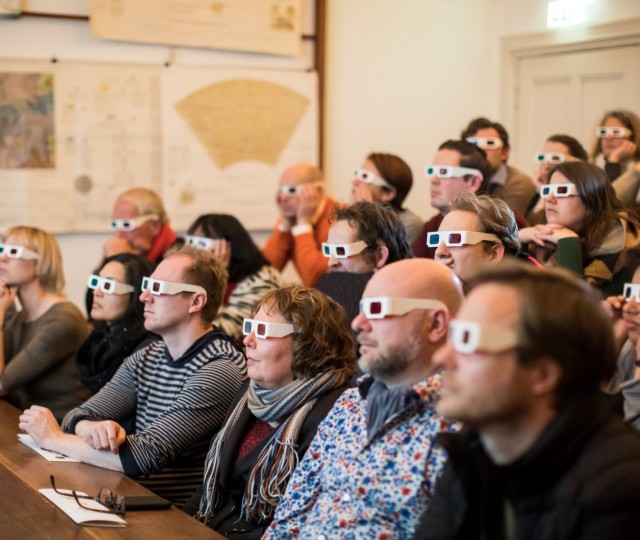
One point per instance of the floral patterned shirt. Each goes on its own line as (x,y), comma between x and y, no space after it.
(350,487)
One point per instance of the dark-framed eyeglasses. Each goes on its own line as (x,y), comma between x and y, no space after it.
(113,502)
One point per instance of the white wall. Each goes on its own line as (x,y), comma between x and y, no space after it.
(402,76)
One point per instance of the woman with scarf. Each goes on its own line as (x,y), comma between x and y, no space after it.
(588,231)
(299,360)
(118,317)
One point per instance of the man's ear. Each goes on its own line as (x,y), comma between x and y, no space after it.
(497,252)
(504,154)
(475,182)
(382,255)
(546,375)
(198,301)
(439,325)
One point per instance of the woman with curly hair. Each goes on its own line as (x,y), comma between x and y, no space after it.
(300,359)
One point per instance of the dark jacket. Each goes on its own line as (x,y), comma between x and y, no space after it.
(580,480)
(234,474)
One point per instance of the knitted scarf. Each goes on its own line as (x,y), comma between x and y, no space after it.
(285,407)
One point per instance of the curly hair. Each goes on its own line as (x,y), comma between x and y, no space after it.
(323,340)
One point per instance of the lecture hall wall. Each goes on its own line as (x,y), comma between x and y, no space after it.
(401,77)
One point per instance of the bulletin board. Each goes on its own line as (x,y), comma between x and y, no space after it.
(75,134)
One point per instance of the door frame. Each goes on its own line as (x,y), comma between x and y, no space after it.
(515,48)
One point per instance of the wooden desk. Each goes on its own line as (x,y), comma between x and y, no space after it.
(25,513)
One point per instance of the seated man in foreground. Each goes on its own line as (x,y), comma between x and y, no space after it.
(371,468)
(542,456)
(179,389)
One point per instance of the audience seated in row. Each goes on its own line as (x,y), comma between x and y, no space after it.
(179,389)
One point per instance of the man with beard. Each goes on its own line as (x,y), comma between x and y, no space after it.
(371,468)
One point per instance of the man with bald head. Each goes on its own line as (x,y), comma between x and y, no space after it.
(303,223)
(372,466)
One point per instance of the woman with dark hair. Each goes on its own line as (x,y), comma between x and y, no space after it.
(589,230)
(300,359)
(118,316)
(617,151)
(387,178)
(250,275)
(557,149)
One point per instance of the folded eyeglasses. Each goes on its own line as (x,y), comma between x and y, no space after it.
(384,306)
(558,190)
(264,329)
(108,285)
(469,337)
(459,238)
(131,224)
(157,287)
(113,502)
(447,171)
(18,252)
(342,251)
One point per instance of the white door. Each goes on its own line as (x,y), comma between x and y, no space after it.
(568,93)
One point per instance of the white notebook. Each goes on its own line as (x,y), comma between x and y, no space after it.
(81,516)
(46,454)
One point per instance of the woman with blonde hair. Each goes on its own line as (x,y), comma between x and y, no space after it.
(38,344)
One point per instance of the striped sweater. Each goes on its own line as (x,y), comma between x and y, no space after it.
(177,404)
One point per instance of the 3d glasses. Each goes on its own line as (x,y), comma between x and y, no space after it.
(158,287)
(631,291)
(469,337)
(369,178)
(199,242)
(108,285)
(617,132)
(379,308)
(459,238)
(553,157)
(447,171)
(288,190)
(342,251)
(558,190)
(264,329)
(486,143)
(131,224)
(18,252)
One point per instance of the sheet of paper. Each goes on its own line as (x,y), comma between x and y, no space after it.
(46,454)
(80,515)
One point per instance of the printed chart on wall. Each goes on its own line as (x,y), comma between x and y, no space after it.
(72,136)
(228,135)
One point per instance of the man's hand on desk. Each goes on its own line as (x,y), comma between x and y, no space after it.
(104,435)
(40,423)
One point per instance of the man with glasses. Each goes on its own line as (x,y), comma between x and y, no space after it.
(140,225)
(541,456)
(458,167)
(303,223)
(178,389)
(505,182)
(371,468)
